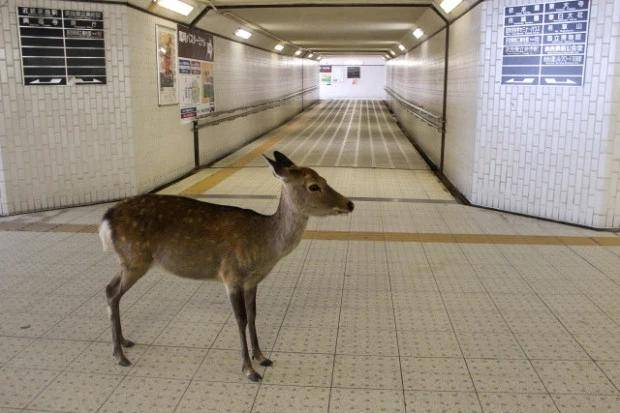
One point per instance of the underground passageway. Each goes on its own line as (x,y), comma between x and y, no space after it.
(479,270)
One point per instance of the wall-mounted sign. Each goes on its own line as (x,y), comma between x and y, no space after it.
(196,91)
(326,74)
(545,43)
(61,47)
(353,72)
(166,65)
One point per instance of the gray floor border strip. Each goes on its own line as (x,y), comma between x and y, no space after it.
(353,198)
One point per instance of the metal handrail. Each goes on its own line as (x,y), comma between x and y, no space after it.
(249,109)
(436,121)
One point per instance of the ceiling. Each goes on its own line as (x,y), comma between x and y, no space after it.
(322,27)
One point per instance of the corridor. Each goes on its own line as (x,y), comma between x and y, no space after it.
(412,303)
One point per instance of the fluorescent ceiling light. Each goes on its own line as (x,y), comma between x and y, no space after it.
(279,47)
(298,52)
(244,34)
(392,53)
(401,47)
(417,33)
(176,6)
(449,5)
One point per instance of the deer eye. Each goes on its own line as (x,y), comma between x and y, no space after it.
(314,188)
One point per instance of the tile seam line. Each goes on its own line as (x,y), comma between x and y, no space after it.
(421,237)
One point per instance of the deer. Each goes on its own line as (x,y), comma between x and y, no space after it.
(199,240)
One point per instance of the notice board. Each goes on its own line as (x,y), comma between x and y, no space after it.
(545,43)
(196,91)
(60,47)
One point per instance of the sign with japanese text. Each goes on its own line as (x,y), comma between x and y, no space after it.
(545,43)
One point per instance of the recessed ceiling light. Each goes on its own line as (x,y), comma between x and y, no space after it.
(298,52)
(176,6)
(387,56)
(401,47)
(310,55)
(244,34)
(417,33)
(392,53)
(449,5)
(279,47)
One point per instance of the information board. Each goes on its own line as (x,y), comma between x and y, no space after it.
(353,72)
(196,91)
(61,47)
(545,43)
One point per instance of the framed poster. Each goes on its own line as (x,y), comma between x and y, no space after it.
(197,93)
(166,65)
(326,74)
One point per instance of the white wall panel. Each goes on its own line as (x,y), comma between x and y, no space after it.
(418,77)
(65,145)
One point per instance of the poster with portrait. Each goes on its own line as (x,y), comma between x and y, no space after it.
(196,90)
(166,65)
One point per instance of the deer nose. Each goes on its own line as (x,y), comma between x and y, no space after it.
(350,206)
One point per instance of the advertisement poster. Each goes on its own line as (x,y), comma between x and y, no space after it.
(166,65)
(196,91)
(326,74)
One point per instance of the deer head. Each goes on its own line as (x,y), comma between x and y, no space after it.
(308,191)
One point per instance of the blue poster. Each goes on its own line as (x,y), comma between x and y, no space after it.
(545,44)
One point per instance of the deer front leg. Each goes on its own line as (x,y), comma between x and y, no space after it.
(250,308)
(238,304)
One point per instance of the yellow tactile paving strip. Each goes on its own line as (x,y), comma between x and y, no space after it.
(421,237)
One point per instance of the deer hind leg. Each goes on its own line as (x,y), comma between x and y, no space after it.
(238,304)
(250,309)
(114,291)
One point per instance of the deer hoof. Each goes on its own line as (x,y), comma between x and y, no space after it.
(122,360)
(127,343)
(254,376)
(266,362)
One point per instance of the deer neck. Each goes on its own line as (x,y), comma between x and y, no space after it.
(287,224)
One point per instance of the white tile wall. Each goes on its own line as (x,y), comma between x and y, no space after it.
(164,147)
(461,112)
(552,152)
(64,145)
(244,76)
(418,77)
(549,151)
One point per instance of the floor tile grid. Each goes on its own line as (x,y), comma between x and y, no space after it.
(305,136)
(402,378)
(66,369)
(346,119)
(270,352)
(59,372)
(334,125)
(453,329)
(559,320)
(345,140)
(537,253)
(329,400)
(303,139)
(511,332)
(125,376)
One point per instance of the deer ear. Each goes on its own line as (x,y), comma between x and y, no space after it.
(283,160)
(279,171)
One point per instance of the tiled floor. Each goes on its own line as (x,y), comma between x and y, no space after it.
(485,323)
